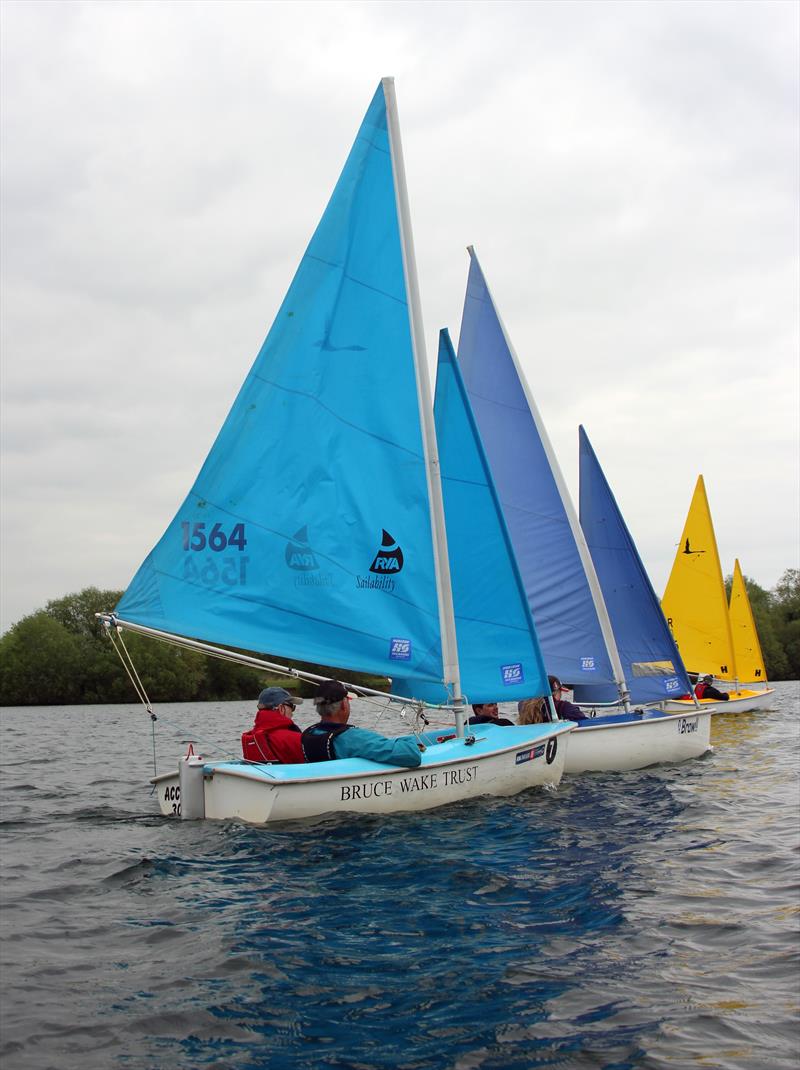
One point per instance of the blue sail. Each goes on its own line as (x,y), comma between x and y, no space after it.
(498,651)
(650,660)
(307,533)
(555,580)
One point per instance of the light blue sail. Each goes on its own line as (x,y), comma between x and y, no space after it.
(307,533)
(555,581)
(650,660)
(498,652)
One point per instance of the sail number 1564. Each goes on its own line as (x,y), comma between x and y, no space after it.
(195,537)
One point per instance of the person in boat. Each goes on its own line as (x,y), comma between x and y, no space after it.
(567,711)
(532,711)
(486,713)
(705,689)
(334,738)
(274,737)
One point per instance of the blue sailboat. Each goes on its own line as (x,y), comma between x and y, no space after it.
(649,656)
(315,529)
(562,585)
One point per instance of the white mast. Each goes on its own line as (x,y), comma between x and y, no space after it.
(431,451)
(569,509)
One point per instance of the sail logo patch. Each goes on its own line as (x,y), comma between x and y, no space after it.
(301,559)
(672,685)
(512,674)
(299,555)
(389,558)
(400,649)
(386,564)
(529,755)
(587,664)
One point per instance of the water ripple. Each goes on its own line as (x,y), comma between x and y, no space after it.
(639,920)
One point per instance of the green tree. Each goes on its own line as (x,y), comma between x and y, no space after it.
(40,664)
(77,612)
(786,597)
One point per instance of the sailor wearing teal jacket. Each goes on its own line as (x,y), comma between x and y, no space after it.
(333,738)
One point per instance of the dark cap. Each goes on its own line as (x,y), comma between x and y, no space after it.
(272,697)
(707,678)
(329,691)
(555,683)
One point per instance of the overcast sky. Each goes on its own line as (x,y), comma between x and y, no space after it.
(628,174)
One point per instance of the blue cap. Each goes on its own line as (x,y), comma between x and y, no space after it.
(272,697)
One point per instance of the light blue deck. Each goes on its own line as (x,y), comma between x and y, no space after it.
(489,739)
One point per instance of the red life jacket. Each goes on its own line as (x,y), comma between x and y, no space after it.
(273,738)
(700,690)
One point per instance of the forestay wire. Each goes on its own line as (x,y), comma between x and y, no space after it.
(118,643)
(113,630)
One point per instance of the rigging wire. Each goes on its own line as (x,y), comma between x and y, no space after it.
(114,632)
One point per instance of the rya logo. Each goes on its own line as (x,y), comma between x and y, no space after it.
(389,559)
(299,554)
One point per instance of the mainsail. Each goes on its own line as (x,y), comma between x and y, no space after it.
(694,602)
(650,660)
(557,571)
(498,651)
(308,532)
(746,647)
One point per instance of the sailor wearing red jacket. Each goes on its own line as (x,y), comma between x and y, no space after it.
(705,689)
(274,737)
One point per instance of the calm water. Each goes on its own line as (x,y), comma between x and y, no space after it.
(645,920)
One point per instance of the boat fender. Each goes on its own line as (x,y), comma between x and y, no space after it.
(317,741)
(193,792)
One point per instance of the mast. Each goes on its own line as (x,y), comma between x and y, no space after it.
(441,560)
(569,509)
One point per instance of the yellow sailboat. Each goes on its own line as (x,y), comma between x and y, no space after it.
(696,609)
(746,647)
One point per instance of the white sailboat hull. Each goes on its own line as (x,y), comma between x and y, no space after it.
(739,702)
(615,744)
(500,761)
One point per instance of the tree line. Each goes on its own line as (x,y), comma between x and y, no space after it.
(60,656)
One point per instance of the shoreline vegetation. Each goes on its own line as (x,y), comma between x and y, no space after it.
(59,656)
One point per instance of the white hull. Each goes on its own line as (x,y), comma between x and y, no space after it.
(739,702)
(636,744)
(501,761)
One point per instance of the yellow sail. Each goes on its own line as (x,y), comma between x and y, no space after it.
(694,602)
(746,647)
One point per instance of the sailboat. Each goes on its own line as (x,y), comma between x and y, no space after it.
(562,585)
(702,623)
(315,530)
(646,647)
(746,647)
